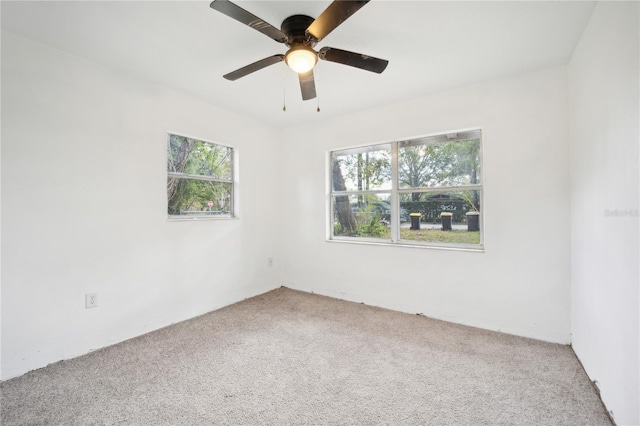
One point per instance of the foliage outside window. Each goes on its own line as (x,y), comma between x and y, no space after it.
(199,178)
(422,191)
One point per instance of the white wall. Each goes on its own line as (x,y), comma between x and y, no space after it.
(603,124)
(520,284)
(84,209)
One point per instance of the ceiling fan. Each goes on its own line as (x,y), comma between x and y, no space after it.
(300,33)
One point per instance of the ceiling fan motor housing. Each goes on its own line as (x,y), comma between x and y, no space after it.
(295,28)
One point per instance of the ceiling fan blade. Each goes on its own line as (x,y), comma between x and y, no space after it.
(307,85)
(358,60)
(256,66)
(239,14)
(334,15)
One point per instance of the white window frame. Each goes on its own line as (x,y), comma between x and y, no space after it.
(232,183)
(396,191)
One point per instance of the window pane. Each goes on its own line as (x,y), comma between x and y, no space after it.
(198,197)
(194,157)
(362,216)
(428,165)
(364,169)
(444,217)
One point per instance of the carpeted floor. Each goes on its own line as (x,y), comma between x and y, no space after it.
(288,357)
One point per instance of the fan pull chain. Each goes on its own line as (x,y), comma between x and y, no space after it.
(284,85)
(317,90)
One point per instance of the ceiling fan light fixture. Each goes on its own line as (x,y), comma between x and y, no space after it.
(301,33)
(301,59)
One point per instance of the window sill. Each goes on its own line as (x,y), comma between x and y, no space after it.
(198,218)
(448,247)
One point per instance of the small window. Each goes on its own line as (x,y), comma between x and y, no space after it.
(199,179)
(422,191)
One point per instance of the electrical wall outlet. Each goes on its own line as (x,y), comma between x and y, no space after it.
(269,261)
(91,300)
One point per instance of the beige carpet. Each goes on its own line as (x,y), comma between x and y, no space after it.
(288,357)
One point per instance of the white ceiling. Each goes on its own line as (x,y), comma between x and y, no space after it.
(431,45)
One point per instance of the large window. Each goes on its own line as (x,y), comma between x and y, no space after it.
(422,191)
(199,179)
